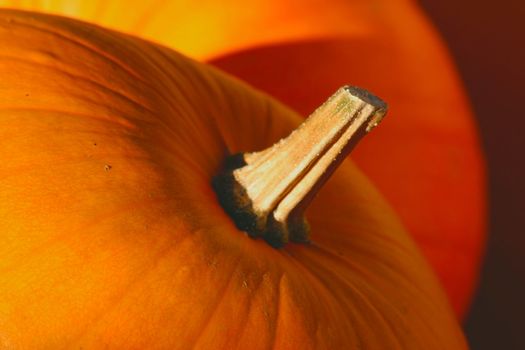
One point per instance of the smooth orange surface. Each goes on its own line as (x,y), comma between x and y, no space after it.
(426,160)
(112,236)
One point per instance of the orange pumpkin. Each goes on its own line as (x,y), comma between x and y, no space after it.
(112,236)
(426,159)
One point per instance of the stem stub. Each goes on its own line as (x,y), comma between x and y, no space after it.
(267,192)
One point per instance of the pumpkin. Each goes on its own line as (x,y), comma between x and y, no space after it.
(112,236)
(427,162)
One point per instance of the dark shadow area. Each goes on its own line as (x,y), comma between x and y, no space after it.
(488,43)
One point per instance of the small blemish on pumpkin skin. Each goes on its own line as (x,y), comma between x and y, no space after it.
(107,167)
(212,263)
(266,315)
(404,309)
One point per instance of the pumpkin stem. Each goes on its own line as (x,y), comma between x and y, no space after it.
(267,192)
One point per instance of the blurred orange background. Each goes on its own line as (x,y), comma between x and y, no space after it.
(488,43)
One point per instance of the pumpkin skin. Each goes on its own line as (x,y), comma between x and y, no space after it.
(112,236)
(426,161)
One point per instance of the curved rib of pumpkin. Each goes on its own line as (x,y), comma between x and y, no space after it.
(112,236)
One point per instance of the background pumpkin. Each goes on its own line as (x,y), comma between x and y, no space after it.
(426,159)
(111,234)
(494,81)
